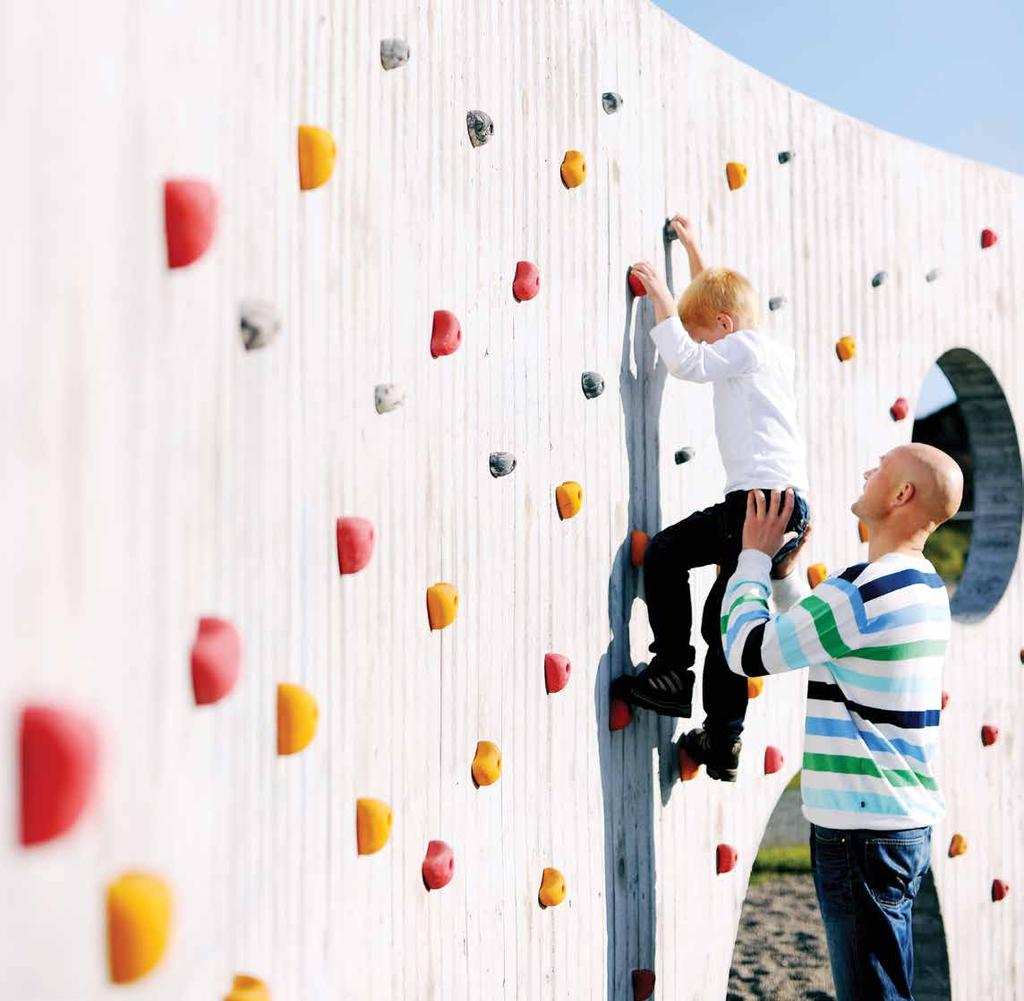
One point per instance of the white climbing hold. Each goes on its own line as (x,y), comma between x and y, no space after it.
(259,323)
(387,396)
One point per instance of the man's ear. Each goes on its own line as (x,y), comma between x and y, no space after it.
(905,494)
(724,321)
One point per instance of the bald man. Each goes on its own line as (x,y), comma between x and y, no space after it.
(874,638)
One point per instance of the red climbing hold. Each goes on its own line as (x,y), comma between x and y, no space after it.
(636,286)
(619,715)
(899,410)
(556,672)
(355,544)
(772,760)
(989,735)
(216,660)
(643,984)
(725,858)
(945,699)
(988,238)
(526,283)
(190,220)
(446,335)
(999,889)
(439,865)
(59,759)
(637,547)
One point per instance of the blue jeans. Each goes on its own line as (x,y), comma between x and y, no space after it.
(867,882)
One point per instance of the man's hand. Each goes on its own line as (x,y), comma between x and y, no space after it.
(657,290)
(765,525)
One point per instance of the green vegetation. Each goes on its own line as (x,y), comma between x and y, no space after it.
(794,782)
(788,859)
(947,549)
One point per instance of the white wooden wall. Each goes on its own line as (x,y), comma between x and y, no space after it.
(153,472)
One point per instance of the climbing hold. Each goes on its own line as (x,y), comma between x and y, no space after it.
(296,718)
(593,385)
(246,988)
(989,734)
(479,126)
(486,768)
(373,825)
(688,768)
(316,156)
(725,858)
(619,715)
(988,238)
(816,573)
(138,925)
(552,888)
(501,463)
(442,604)
(569,498)
(668,234)
(387,396)
(216,660)
(862,531)
(772,760)
(355,538)
(755,686)
(446,335)
(643,984)
(260,323)
(957,846)
(636,286)
(846,348)
(59,760)
(786,155)
(684,454)
(190,220)
(574,169)
(735,174)
(556,672)
(526,283)
(899,410)
(999,889)
(945,700)
(394,52)
(611,102)
(438,866)
(776,302)
(934,275)
(637,547)
(879,278)
(1022,654)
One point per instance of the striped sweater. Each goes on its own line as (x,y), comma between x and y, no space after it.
(874,638)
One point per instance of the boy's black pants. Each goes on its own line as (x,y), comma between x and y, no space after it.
(714,535)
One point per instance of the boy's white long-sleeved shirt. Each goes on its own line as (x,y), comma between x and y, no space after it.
(755,403)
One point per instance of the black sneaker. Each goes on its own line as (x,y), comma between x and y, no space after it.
(721,759)
(666,690)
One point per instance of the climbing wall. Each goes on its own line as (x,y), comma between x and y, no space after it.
(230,231)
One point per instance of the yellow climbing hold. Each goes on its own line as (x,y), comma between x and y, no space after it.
(552,888)
(816,573)
(296,718)
(373,825)
(574,168)
(755,686)
(846,348)
(957,846)
(138,925)
(862,531)
(442,604)
(569,498)
(487,763)
(316,156)
(246,988)
(735,174)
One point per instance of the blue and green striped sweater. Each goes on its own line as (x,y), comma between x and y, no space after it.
(874,638)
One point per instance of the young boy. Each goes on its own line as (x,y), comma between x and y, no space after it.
(761,447)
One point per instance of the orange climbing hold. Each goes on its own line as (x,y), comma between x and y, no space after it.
(486,768)
(297,716)
(438,866)
(773,760)
(442,604)
(945,699)
(846,348)
(899,410)
(316,156)
(643,984)
(190,220)
(247,988)
(216,660)
(988,238)
(755,686)
(138,925)
(526,283)
(637,547)
(816,573)
(957,846)
(999,889)
(445,335)
(573,169)
(862,531)
(556,672)
(989,734)
(373,825)
(619,715)
(725,858)
(735,174)
(569,499)
(552,888)
(355,537)
(688,768)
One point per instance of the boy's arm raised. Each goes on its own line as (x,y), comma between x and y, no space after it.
(686,233)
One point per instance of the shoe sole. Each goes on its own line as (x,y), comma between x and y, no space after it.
(722,773)
(678,710)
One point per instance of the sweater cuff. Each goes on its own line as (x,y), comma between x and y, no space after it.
(754,565)
(787,591)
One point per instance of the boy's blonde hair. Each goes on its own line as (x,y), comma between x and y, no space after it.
(719,290)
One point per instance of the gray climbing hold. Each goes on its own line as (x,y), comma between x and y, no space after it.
(387,396)
(259,323)
(879,279)
(786,155)
(934,275)
(501,463)
(776,302)
(480,127)
(593,384)
(394,52)
(668,233)
(611,102)
(684,455)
